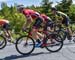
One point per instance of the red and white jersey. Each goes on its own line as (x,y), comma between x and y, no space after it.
(30,13)
(45,17)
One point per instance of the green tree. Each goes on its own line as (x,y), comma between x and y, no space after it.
(64,5)
(10,13)
(5,10)
(46,5)
(72,13)
(17,19)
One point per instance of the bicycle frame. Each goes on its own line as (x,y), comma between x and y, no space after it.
(44,38)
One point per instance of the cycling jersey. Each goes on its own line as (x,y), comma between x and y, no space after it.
(34,15)
(65,20)
(30,13)
(45,17)
(47,20)
(59,16)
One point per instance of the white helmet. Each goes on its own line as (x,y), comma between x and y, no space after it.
(19,7)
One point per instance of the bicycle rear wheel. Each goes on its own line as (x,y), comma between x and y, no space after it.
(56,46)
(62,34)
(73,37)
(3,42)
(25,45)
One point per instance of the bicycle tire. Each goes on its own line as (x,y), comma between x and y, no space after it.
(3,44)
(61,42)
(24,53)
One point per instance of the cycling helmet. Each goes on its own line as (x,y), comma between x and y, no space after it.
(19,7)
(53,8)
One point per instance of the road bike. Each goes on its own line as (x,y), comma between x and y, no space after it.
(64,33)
(4,39)
(27,44)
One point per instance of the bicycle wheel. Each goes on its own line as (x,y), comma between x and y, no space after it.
(73,37)
(56,45)
(3,42)
(26,45)
(62,34)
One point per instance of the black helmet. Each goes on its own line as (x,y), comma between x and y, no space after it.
(53,8)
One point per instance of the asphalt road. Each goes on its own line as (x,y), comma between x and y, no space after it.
(66,53)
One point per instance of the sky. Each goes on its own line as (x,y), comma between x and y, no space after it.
(28,2)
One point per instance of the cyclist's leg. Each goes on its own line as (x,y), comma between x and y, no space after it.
(67,26)
(36,26)
(27,23)
(6,30)
(49,28)
(66,23)
(34,33)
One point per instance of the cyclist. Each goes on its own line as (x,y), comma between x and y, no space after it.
(4,24)
(48,26)
(32,17)
(48,23)
(62,19)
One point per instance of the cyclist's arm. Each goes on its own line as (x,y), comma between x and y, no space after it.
(27,15)
(29,20)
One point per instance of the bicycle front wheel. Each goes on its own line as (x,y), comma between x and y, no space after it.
(54,44)
(25,45)
(3,42)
